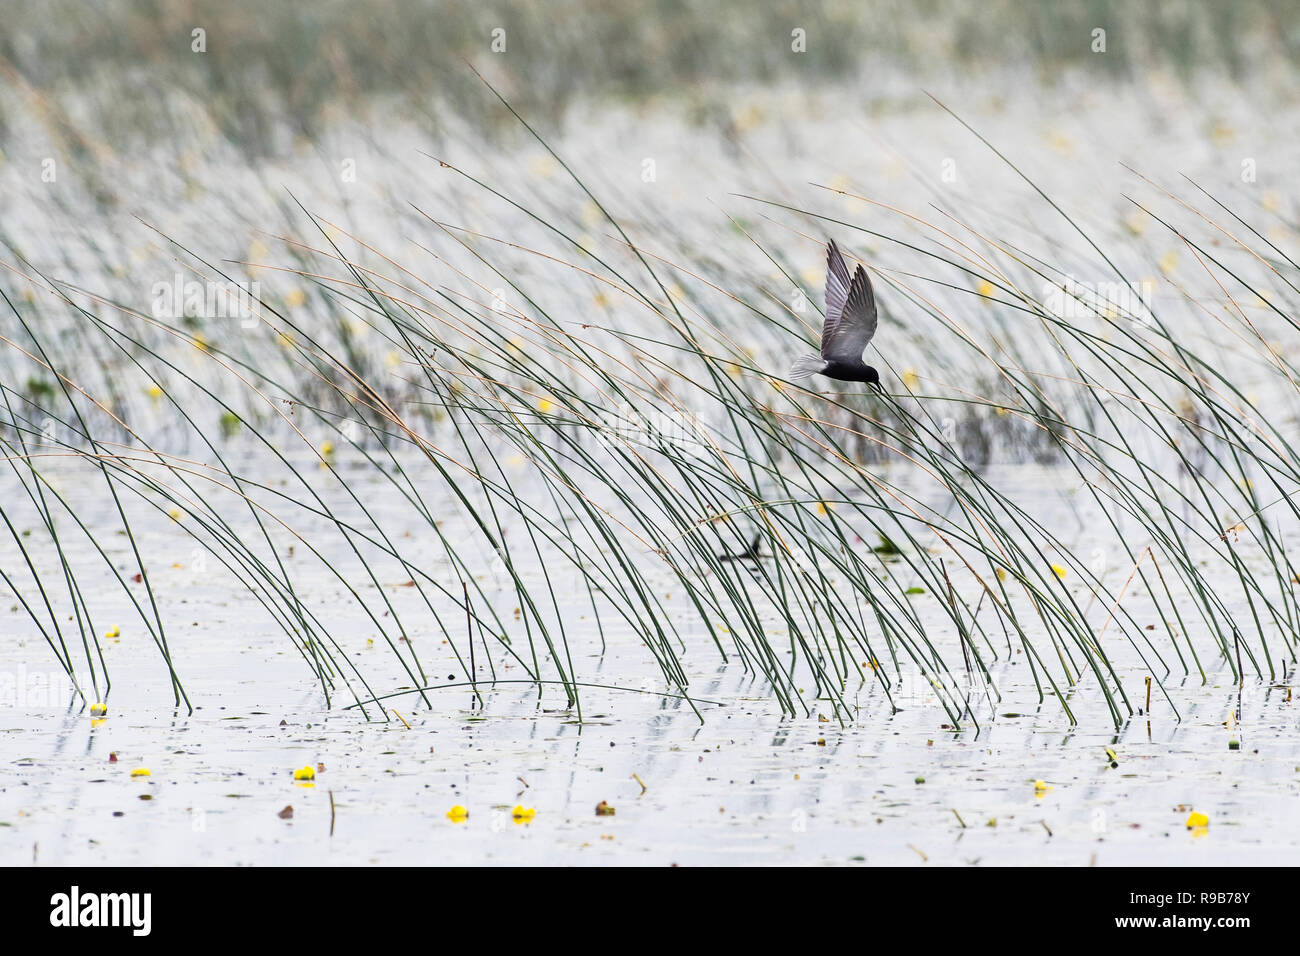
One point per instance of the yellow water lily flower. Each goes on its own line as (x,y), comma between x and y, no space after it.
(1060,142)
(1197,819)
(140,772)
(305,773)
(750,117)
(153,391)
(985,288)
(522,814)
(1059,571)
(591,214)
(910,378)
(1041,787)
(111,632)
(544,405)
(458,814)
(1137,221)
(98,709)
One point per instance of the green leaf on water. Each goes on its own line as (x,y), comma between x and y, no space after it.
(886,546)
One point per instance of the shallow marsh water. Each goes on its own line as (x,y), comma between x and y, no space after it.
(744,786)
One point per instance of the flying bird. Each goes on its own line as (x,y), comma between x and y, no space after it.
(850,324)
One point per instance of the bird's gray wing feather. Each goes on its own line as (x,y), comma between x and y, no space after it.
(855,324)
(837,291)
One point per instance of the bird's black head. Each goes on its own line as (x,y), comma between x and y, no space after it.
(865,373)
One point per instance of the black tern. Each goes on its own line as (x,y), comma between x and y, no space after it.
(749,554)
(850,324)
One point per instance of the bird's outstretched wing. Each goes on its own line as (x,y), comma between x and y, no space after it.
(837,287)
(850,316)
